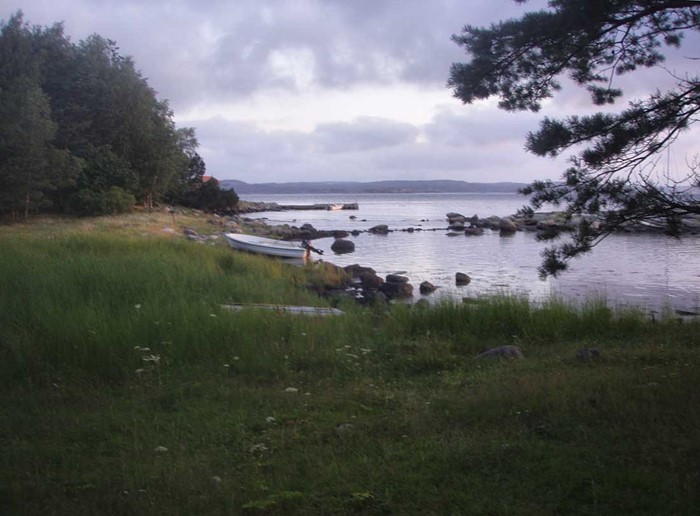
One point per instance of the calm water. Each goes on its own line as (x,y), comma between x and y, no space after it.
(649,271)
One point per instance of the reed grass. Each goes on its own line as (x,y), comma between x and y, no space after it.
(127,389)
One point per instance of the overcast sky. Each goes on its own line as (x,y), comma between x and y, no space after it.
(325,90)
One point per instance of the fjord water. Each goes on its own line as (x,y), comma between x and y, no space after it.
(649,271)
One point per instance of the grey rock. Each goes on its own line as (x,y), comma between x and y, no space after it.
(456,218)
(190,232)
(462,279)
(341,246)
(507,225)
(512,352)
(396,290)
(587,354)
(396,278)
(427,288)
(381,229)
(474,231)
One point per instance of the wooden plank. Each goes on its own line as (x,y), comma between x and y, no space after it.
(301,310)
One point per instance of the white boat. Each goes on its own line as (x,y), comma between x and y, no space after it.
(268,246)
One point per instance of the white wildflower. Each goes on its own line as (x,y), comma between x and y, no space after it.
(139,371)
(291,389)
(270,420)
(227,366)
(138,307)
(152,358)
(258,448)
(160,449)
(216,479)
(212,315)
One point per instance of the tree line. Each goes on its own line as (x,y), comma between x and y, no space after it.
(82,132)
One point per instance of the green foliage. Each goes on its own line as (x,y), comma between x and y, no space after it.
(209,196)
(521,61)
(78,121)
(167,403)
(112,201)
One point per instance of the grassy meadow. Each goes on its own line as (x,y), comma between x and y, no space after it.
(126,388)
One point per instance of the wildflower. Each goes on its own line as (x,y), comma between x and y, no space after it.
(270,420)
(303,334)
(216,479)
(139,371)
(160,449)
(235,358)
(227,366)
(258,448)
(212,315)
(152,358)
(291,389)
(138,307)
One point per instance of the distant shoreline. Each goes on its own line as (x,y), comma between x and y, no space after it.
(378,187)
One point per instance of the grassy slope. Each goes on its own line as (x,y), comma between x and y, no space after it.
(372,412)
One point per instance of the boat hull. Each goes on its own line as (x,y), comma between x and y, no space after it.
(266,246)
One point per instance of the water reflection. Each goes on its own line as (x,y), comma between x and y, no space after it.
(652,271)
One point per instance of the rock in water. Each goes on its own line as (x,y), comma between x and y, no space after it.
(427,288)
(381,229)
(507,225)
(341,246)
(462,279)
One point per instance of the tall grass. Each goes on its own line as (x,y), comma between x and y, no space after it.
(128,389)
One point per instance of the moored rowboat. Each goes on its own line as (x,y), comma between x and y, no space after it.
(268,246)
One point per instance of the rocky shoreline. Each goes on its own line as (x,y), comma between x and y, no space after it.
(362,283)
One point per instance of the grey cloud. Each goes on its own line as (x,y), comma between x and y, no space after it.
(244,151)
(193,50)
(363,134)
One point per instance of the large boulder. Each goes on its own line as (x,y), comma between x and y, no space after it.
(396,290)
(342,246)
(507,225)
(365,275)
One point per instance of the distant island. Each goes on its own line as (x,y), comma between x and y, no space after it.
(386,187)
